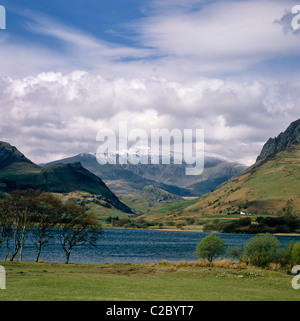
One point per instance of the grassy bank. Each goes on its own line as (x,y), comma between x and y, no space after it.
(146,282)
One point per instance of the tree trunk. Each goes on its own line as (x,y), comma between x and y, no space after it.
(38,253)
(22,241)
(40,245)
(7,247)
(2,235)
(16,243)
(68,253)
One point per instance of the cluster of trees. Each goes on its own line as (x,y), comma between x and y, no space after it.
(260,250)
(280,224)
(127,222)
(30,212)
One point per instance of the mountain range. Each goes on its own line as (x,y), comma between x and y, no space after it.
(270,186)
(130,179)
(19,172)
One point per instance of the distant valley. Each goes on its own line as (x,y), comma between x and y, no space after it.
(270,186)
(131,179)
(162,195)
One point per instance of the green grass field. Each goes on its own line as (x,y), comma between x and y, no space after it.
(127,282)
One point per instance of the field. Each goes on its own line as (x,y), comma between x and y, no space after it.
(27,281)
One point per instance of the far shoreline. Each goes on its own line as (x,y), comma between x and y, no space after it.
(198,231)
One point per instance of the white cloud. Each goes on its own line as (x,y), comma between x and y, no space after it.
(220,36)
(54,102)
(201,37)
(61,113)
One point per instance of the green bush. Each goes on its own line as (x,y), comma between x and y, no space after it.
(210,248)
(263,225)
(286,254)
(296,252)
(235,252)
(110,219)
(237,226)
(262,250)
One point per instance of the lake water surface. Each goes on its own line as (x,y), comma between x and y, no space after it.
(136,246)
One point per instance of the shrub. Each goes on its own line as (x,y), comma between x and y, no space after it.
(210,248)
(286,254)
(279,224)
(121,222)
(237,226)
(190,221)
(110,219)
(263,225)
(262,250)
(234,252)
(179,225)
(296,252)
(210,227)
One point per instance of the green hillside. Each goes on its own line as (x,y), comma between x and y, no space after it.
(269,187)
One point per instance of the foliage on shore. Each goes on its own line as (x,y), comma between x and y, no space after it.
(276,224)
(260,251)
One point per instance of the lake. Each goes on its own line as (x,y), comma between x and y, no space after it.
(136,246)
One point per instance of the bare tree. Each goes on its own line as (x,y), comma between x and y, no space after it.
(24,211)
(48,209)
(12,211)
(19,206)
(78,228)
(5,224)
(27,205)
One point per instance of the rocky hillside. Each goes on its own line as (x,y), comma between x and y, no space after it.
(18,172)
(290,137)
(10,155)
(157,195)
(270,186)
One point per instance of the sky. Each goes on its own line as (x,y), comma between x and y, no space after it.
(71,68)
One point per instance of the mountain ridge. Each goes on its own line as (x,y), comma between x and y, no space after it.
(10,154)
(18,172)
(291,136)
(269,186)
(131,179)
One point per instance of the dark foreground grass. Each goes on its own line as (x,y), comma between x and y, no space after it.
(127,282)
